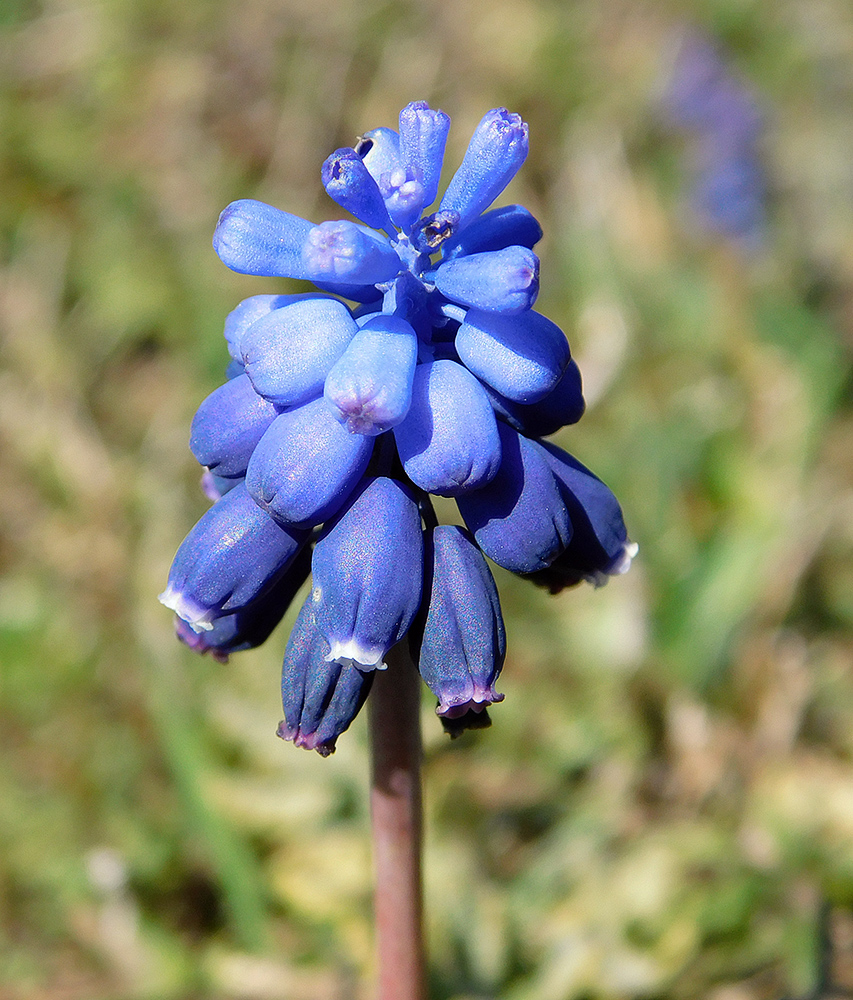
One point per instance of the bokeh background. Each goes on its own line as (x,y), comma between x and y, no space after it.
(663,807)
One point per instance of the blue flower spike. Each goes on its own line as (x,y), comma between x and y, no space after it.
(416,367)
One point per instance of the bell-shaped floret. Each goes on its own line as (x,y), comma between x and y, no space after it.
(464,643)
(563,405)
(403,194)
(229,559)
(252,625)
(423,135)
(379,150)
(448,442)
(368,573)
(522,357)
(289,352)
(348,254)
(495,153)
(320,697)
(254,238)
(348,181)
(306,465)
(238,321)
(519,519)
(599,547)
(509,226)
(498,281)
(228,425)
(370,387)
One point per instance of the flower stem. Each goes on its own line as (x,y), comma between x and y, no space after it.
(395,800)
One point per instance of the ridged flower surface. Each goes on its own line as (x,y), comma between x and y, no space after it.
(419,366)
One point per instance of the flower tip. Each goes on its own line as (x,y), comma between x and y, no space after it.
(305,741)
(353,654)
(198,618)
(478,702)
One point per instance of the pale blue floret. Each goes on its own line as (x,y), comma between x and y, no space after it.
(320,697)
(464,642)
(306,465)
(228,425)
(521,357)
(509,226)
(503,281)
(495,153)
(231,556)
(348,181)
(368,570)
(520,519)
(449,441)
(370,387)
(254,238)
(289,352)
(423,136)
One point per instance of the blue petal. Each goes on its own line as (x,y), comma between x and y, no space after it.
(563,405)
(238,321)
(347,180)
(306,465)
(423,135)
(254,238)
(520,519)
(370,387)
(252,625)
(503,281)
(231,556)
(448,442)
(345,253)
(320,698)
(228,425)
(599,546)
(509,226)
(495,153)
(380,151)
(289,352)
(464,643)
(521,357)
(368,573)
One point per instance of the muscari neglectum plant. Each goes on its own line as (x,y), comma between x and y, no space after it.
(418,367)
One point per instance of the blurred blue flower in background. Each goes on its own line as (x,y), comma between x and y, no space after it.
(724,125)
(338,421)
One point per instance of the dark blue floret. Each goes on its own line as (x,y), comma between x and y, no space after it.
(418,367)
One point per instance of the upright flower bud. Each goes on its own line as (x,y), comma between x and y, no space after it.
(368,569)
(464,643)
(495,153)
(423,136)
(348,181)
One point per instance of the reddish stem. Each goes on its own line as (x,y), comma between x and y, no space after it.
(395,800)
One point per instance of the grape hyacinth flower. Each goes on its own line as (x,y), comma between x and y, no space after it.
(724,126)
(418,366)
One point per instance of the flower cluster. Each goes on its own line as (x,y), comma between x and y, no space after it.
(418,368)
(725,125)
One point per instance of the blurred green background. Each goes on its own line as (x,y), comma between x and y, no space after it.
(663,807)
